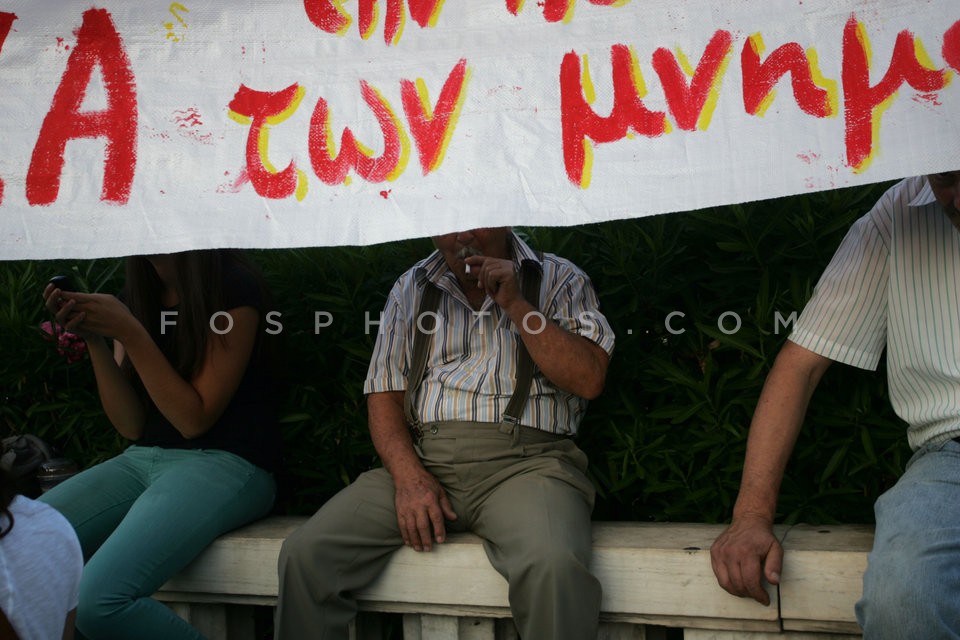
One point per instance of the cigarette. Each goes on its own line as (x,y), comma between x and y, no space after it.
(466,252)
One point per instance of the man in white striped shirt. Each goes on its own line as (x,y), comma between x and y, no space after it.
(468,440)
(894,283)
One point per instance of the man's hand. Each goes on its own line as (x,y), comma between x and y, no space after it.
(497,278)
(420,501)
(746,553)
(422,505)
(568,360)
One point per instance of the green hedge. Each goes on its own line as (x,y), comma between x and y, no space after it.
(666,439)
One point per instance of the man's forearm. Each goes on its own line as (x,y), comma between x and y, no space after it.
(776,424)
(390,435)
(568,360)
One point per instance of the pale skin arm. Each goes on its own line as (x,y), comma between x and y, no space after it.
(422,504)
(747,552)
(192,406)
(569,361)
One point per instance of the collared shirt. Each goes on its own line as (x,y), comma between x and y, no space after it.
(895,283)
(471,369)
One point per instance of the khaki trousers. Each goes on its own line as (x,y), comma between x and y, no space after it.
(526,493)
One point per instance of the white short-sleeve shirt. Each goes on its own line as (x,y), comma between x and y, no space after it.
(894,283)
(40,568)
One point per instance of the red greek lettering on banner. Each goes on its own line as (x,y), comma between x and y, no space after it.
(330,16)
(432,128)
(6,21)
(759,78)
(261,109)
(863,103)
(98,43)
(333,168)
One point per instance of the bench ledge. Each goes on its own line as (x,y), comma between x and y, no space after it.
(650,572)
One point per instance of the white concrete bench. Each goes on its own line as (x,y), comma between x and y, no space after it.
(652,574)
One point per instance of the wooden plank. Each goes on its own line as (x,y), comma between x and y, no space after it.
(645,568)
(823,626)
(439,628)
(496,613)
(664,569)
(650,571)
(621,631)
(656,573)
(209,619)
(822,576)
(476,629)
(242,562)
(688,622)
(455,572)
(499,612)
(708,634)
(218,598)
(457,611)
(430,627)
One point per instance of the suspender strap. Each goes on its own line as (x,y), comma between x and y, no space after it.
(530,276)
(426,324)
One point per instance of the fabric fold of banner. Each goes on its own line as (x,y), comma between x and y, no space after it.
(133,127)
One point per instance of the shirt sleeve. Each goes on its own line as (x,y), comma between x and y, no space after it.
(389,362)
(846,318)
(572,303)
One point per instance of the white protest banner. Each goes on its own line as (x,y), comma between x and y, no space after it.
(145,127)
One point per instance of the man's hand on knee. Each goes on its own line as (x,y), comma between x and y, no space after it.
(422,505)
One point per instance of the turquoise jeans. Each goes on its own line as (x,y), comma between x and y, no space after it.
(144,515)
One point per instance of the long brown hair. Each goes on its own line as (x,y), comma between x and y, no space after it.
(8,491)
(198,278)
